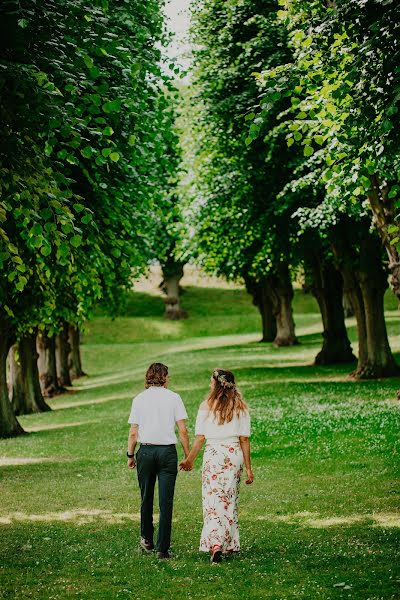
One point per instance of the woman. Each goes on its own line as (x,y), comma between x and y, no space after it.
(223,421)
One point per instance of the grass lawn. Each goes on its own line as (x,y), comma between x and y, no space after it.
(321,520)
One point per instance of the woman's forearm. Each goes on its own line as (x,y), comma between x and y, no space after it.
(197,446)
(245,446)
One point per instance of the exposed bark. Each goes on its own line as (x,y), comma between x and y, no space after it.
(46,348)
(347,306)
(383,209)
(9,426)
(372,280)
(17,392)
(280,291)
(32,400)
(75,361)
(365,282)
(172,274)
(260,293)
(327,287)
(62,352)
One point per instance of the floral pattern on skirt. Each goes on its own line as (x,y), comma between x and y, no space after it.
(222,469)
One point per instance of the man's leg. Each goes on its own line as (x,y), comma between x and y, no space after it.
(167,471)
(147,471)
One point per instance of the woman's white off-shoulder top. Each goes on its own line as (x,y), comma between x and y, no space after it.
(207,425)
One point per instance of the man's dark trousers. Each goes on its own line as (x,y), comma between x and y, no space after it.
(154,462)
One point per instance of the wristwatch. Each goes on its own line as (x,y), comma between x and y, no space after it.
(130,455)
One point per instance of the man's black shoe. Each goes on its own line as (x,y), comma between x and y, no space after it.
(146,546)
(163,555)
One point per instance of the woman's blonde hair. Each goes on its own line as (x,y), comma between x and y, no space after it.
(156,375)
(225,400)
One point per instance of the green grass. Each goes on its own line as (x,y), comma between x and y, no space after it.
(323,510)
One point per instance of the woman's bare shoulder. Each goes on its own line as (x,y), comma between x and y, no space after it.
(203,405)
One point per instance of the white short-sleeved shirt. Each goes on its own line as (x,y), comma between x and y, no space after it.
(156,411)
(207,425)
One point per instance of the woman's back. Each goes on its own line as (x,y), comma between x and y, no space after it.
(207,424)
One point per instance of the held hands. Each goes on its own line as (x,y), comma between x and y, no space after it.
(131,463)
(250,477)
(185,465)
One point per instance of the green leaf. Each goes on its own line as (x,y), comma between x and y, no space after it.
(112,106)
(88,61)
(78,207)
(108,131)
(308,150)
(114,156)
(45,250)
(76,241)
(87,152)
(319,139)
(132,140)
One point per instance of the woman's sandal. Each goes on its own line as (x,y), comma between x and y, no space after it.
(216,554)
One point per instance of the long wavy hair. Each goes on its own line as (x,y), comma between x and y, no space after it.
(225,400)
(156,375)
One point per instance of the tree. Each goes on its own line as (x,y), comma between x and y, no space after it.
(329,114)
(343,85)
(241,233)
(79,115)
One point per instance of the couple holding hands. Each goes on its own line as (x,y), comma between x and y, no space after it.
(223,423)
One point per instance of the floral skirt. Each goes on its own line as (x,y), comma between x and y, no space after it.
(222,469)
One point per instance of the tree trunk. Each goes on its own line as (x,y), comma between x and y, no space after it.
(9,426)
(33,400)
(46,348)
(384,213)
(280,291)
(260,293)
(347,306)
(172,274)
(75,362)
(372,280)
(62,352)
(358,253)
(17,392)
(327,287)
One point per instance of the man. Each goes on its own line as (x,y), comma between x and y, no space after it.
(154,415)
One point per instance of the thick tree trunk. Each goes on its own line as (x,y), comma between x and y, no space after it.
(327,287)
(9,426)
(62,352)
(365,281)
(384,213)
(372,280)
(75,362)
(17,392)
(46,348)
(172,274)
(280,291)
(352,290)
(347,306)
(259,290)
(33,400)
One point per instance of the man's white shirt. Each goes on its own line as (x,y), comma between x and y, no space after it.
(156,411)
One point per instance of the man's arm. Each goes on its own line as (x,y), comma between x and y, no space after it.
(187,464)
(183,436)
(132,441)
